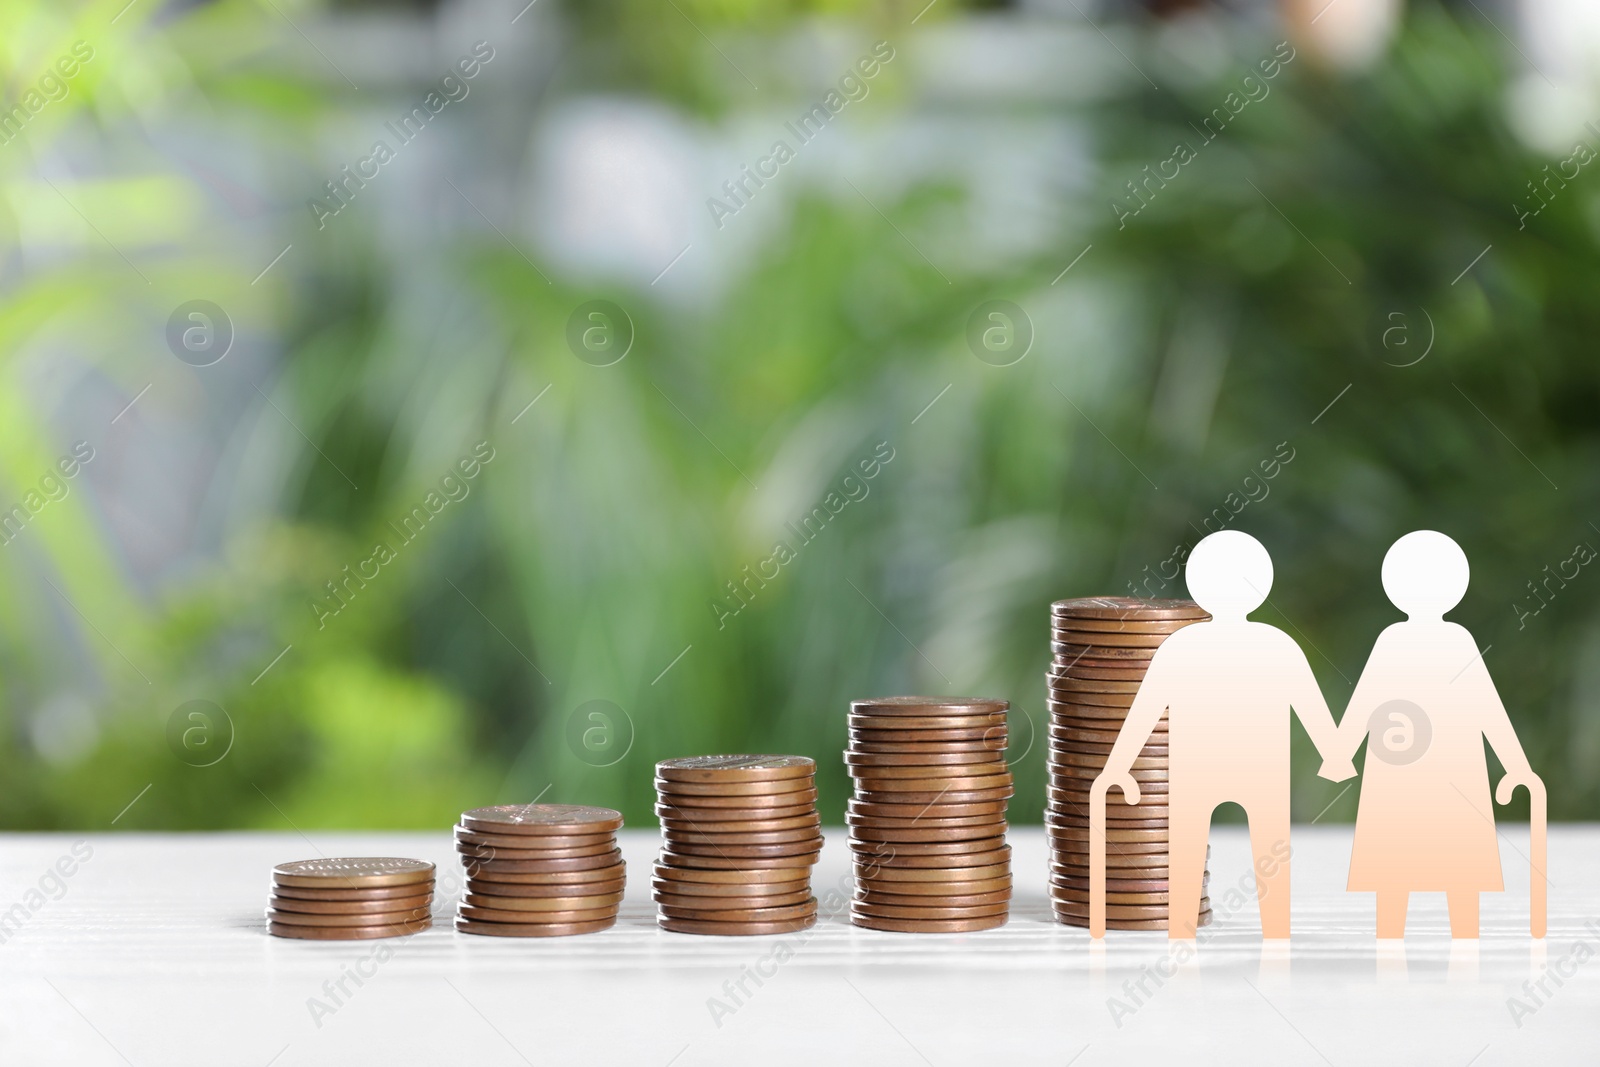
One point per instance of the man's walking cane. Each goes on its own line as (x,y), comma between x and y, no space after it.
(1097,857)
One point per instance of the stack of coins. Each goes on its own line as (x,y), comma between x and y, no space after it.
(740,835)
(1102,647)
(928,821)
(539,870)
(350,899)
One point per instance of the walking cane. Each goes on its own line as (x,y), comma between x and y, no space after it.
(1097,857)
(1537,880)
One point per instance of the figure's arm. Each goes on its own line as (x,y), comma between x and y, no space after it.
(1149,704)
(1305,696)
(1478,689)
(1357,712)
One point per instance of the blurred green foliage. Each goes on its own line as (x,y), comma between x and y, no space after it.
(1190,343)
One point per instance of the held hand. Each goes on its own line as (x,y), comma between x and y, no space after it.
(1337,770)
(1109,780)
(1508,785)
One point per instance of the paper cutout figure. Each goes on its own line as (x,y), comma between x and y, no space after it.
(1227,687)
(1424,704)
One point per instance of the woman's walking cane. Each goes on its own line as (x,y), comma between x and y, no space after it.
(1537,880)
(1097,857)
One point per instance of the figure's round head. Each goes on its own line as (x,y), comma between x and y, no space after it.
(1229,574)
(1425,574)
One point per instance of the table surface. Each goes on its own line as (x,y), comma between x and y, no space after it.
(153,952)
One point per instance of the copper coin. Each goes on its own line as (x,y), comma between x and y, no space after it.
(547,891)
(1114,924)
(747,805)
(924,771)
(1059,872)
(916,835)
(1064,847)
(985,734)
(1106,717)
(734,929)
(870,863)
(956,784)
(731,877)
(347,933)
(905,823)
(583,863)
(874,809)
(924,722)
(1077,863)
(891,911)
(707,815)
(1093,685)
(498,929)
(929,926)
(1127,607)
(920,759)
(939,874)
(1096,762)
(969,748)
(1100,741)
(704,903)
(787,913)
(953,887)
(1128,626)
(591,902)
(737,863)
(775,837)
(926,848)
(902,900)
(1071,653)
(498,915)
(1113,911)
(1103,639)
(1055,821)
(1061,723)
(930,705)
(1087,672)
(389,892)
(528,841)
(809,821)
(1118,886)
(791,848)
(1081,896)
(1151,794)
(668,887)
(670,791)
(1079,661)
(942,796)
(305,918)
(495,852)
(717,769)
(485,873)
(351,907)
(558,819)
(1112,834)
(1075,778)
(362,872)
(1069,697)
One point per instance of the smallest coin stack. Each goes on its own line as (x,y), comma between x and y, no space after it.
(539,870)
(352,899)
(740,834)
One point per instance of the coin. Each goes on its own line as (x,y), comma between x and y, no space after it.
(498,915)
(1094,685)
(934,889)
(928,747)
(1112,834)
(590,902)
(503,929)
(1129,625)
(680,888)
(1065,848)
(495,852)
(735,814)
(1080,670)
(924,722)
(920,759)
(1113,911)
(347,933)
(1070,697)
(351,907)
(702,903)
(940,874)
(806,910)
(1097,761)
(918,834)
(929,926)
(391,892)
(902,900)
(733,876)
(746,804)
(908,822)
(545,891)
(738,863)
(1081,896)
(1115,924)
(734,929)
(807,847)
(304,918)
(1077,863)
(951,796)
(718,769)
(744,826)
(987,734)
(935,848)
(891,911)
(670,791)
(1115,885)
(529,841)
(942,772)
(1132,608)
(941,705)
(1001,780)
(775,837)
(558,819)
(583,863)
(593,874)
(872,861)
(352,872)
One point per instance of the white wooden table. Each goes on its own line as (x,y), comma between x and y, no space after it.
(155,953)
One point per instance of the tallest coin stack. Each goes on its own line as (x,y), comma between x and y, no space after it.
(1101,648)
